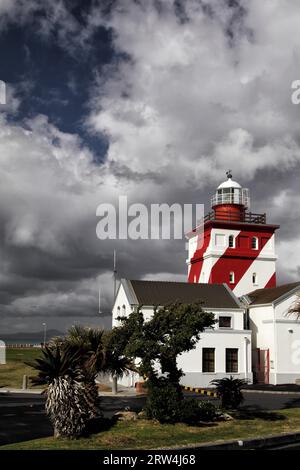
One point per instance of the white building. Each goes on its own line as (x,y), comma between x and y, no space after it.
(275,334)
(234,255)
(222,351)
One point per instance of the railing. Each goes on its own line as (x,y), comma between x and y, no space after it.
(236,196)
(247,217)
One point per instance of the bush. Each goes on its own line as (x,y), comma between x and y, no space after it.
(194,410)
(208,411)
(164,401)
(229,390)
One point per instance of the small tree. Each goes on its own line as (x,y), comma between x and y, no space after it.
(68,402)
(230,391)
(156,344)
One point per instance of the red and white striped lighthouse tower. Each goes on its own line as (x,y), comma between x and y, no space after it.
(236,247)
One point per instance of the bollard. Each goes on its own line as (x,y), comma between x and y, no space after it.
(25,382)
(114,385)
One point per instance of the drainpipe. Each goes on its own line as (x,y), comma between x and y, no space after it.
(246,357)
(275,344)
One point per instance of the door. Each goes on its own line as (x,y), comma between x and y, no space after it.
(261,366)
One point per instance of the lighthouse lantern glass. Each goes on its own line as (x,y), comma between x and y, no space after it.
(231,196)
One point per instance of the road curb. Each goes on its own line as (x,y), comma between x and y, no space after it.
(275,392)
(243,444)
(200,391)
(8,391)
(120,394)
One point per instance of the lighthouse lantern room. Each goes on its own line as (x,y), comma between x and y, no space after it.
(233,246)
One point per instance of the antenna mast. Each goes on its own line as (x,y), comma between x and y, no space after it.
(115,273)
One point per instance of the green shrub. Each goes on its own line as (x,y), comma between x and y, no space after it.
(194,410)
(208,411)
(164,401)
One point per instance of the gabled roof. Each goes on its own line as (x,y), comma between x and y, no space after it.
(269,295)
(160,293)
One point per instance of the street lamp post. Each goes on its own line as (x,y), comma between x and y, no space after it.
(45,333)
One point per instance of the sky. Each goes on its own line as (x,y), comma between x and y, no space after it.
(150,99)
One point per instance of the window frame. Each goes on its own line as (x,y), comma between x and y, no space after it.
(206,362)
(227,317)
(254,279)
(231,238)
(232,362)
(231,277)
(255,240)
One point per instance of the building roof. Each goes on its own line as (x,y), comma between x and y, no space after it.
(163,292)
(269,295)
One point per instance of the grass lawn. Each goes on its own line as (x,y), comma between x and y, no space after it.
(143,434)
(11,373)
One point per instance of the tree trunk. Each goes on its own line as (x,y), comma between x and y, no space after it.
(56,433)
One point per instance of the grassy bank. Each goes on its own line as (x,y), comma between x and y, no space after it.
(11,373)
(146,434)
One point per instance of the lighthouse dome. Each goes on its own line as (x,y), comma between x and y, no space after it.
(229,184)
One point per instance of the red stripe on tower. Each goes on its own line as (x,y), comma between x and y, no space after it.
(238,247)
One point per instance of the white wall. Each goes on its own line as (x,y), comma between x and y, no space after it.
(273,329)
(218,338)
(121,300)
(287,329)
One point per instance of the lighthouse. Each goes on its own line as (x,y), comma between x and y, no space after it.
(233,245)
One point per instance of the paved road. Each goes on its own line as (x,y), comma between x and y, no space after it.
(22,417)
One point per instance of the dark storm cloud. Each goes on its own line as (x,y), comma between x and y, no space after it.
(153,100)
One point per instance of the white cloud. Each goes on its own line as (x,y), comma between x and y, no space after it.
(188,103)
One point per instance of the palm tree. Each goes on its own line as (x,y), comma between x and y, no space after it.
(229,390)
(295,307)
(68,404)
(100,350)
(116,363)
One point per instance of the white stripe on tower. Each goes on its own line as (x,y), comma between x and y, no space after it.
(263,266)
(213,253)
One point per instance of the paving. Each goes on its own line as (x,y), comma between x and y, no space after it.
(22,415)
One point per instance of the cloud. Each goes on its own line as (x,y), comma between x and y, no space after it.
(192,88)
(190,97)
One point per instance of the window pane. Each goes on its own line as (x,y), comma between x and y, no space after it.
(232,360)
(254,243)
(224,322)
(208,359)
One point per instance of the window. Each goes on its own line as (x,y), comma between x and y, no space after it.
(123,310)
(254,243)
(224,322)
(231,241)
(231,277)
(232,360)
(254,279)
(208,359)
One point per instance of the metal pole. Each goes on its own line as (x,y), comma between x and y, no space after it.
(45,333)
(99,308)
(114,385)
(25,382)
(115,273)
